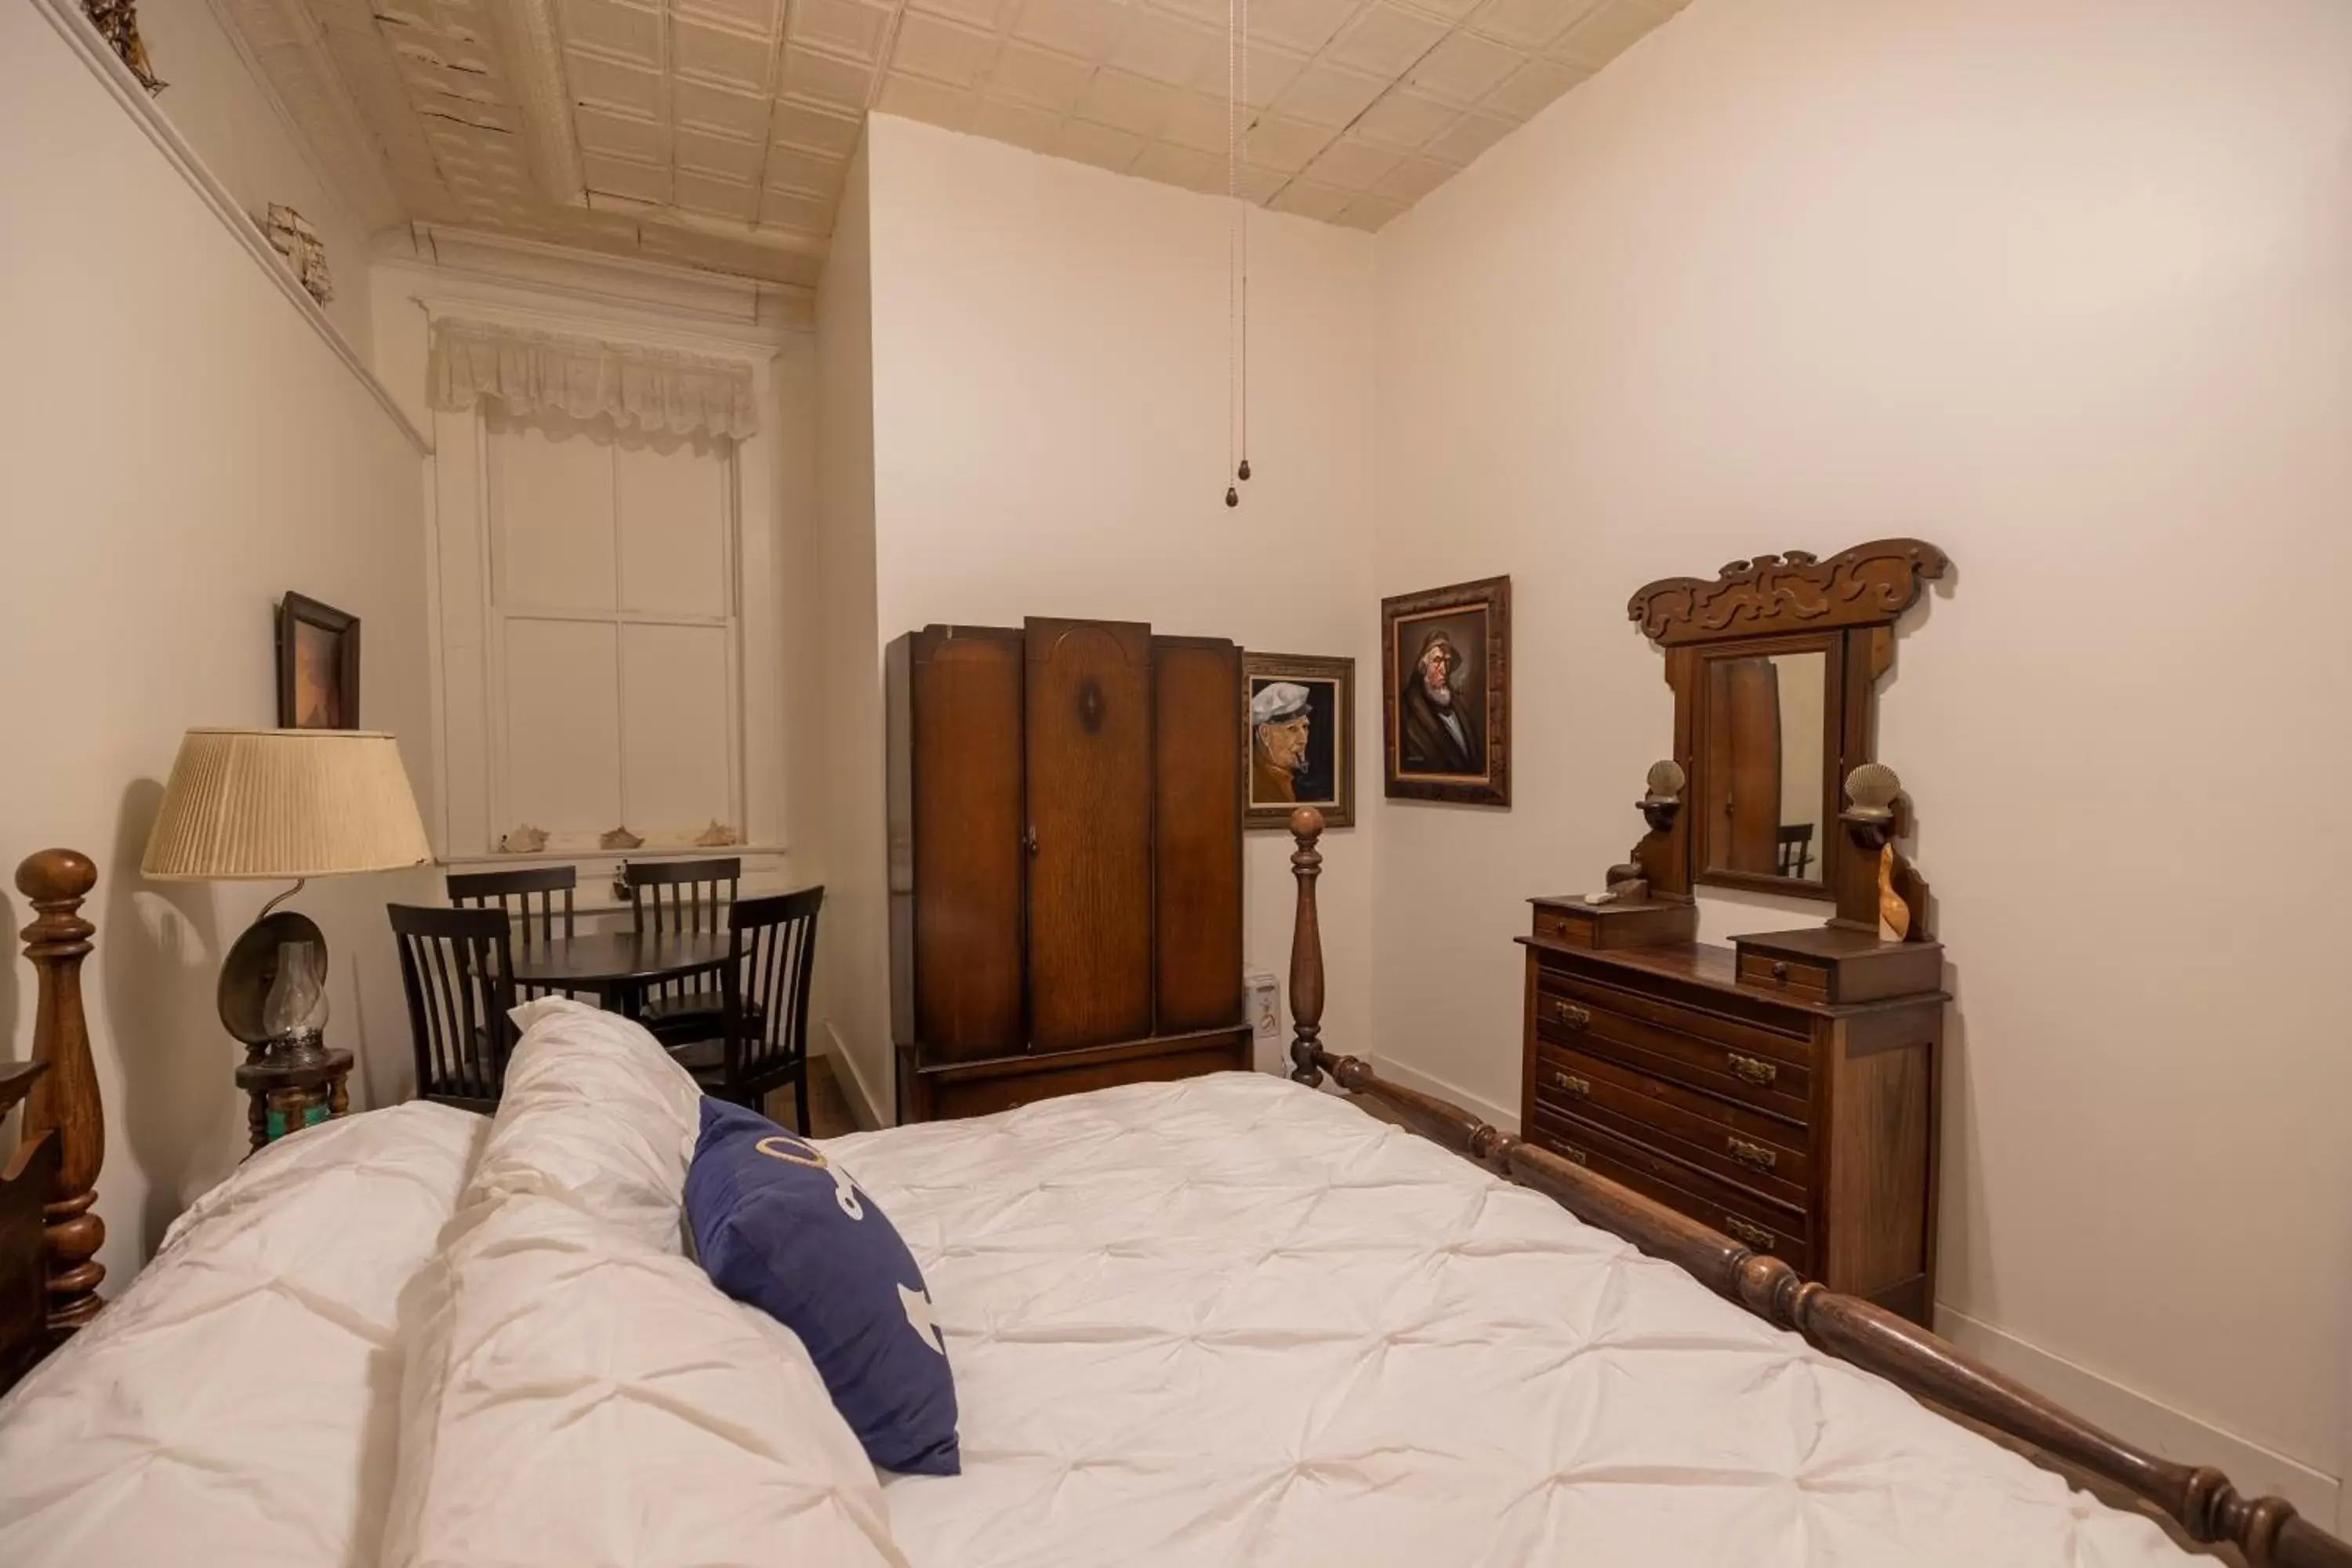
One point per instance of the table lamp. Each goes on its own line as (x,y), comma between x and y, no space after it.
(271,804)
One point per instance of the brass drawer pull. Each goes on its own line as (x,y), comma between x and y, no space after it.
(1754,1235)
(1751,1069)
(1570,1084)
(1754,1155)
(1570,1014)
(1569,1151)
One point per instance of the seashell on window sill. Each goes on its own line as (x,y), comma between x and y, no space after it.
(619,838)
(523,840)
(716,836)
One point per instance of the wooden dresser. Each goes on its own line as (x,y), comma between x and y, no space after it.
(1782,1092)
(1065,861)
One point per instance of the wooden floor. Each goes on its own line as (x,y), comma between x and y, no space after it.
(829,1114)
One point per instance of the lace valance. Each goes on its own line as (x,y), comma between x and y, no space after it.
(550,373)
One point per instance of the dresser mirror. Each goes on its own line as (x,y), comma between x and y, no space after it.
(1774,665)
(1768,754)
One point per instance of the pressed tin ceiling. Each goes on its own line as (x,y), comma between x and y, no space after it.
(717,133)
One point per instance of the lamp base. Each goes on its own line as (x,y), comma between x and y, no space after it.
(288,1089)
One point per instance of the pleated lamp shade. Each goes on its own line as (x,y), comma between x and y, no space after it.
(281,804)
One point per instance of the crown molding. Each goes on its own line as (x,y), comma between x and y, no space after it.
(115,77)
(687,294)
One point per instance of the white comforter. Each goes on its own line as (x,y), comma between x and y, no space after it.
(1224,1321)
(1233,1321)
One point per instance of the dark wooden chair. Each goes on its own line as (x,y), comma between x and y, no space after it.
(529,898)
(457,968)
(763,1039)
(682,896)
(1796,849)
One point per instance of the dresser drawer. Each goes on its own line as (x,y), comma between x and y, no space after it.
(1788,1034)
(1779,1080)
(1756,1221)
(984,1095)
(1793,975)
(1738,1145)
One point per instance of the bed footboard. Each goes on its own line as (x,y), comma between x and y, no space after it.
(2199,1500)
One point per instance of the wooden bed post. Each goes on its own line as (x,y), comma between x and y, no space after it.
(1306,952)
(64,1098)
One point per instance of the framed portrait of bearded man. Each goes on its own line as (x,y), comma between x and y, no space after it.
(1301,713)
(1445,693)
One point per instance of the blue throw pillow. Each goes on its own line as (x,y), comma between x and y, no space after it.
(779,1226)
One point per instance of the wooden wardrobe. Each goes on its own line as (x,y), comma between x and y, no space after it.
(1065,861)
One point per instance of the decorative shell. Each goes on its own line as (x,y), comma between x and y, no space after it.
(1667,780)
(619,838)
(1872,787)
(524,840)
(716,836)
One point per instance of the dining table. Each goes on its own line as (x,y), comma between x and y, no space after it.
(617,967)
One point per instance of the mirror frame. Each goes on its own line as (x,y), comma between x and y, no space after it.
(1845,607)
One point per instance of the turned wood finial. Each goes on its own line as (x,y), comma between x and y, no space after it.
(1306,952)
(65,1101)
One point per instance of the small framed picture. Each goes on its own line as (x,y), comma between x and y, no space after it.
(1302,737)
(318,665)
(1445,693)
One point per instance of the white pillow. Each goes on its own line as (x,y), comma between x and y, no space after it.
(595,1115)
(576,1399)
(238,1402)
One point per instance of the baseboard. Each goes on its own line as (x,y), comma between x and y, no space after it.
(854,1087)
(1403,1076)
(2134,1416)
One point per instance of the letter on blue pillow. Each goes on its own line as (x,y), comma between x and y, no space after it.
(779,1226)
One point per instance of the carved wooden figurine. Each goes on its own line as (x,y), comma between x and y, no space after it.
(64,1098)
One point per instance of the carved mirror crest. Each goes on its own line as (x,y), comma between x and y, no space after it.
(1775,665)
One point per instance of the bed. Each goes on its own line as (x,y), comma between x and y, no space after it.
(1233,1319)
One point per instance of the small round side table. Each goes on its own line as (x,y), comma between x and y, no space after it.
(290,1091)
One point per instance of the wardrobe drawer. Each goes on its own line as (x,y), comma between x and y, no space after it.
(984,1096)
(1756,1221)
(1793,975)
(1738,1145)
(1779,1082)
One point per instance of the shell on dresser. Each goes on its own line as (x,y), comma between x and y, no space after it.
(1872,787)
(1667,780)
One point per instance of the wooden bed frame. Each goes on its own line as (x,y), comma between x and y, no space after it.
(63,1142)
(49,1233)
(2199,1501)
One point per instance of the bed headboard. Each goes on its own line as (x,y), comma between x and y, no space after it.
(2195,1500)
(49,1232)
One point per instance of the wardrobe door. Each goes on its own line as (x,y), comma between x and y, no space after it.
(1089,759)
(1200,758)
(966,765)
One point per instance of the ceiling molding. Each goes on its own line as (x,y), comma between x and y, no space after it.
(280,42)
(104,64)
(527,34)
(687,292)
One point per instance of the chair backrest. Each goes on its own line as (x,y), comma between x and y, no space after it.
(668,896)
(771,946)
(528,897)
(456,966)
(1796,849)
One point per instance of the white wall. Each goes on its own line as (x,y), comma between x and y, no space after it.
(1048,410)
(177,447)
(853,998)
(2062,288)
(225,111)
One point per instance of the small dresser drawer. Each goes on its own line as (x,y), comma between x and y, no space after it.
(1770,1072)
(1727,1140)
(1793,975)
(1756,1221)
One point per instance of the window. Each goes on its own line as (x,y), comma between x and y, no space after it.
(613,636)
